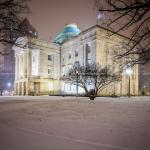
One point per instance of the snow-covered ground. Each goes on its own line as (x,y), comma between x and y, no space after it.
(66,123)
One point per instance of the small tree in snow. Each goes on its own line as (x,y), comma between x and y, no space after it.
(92,78)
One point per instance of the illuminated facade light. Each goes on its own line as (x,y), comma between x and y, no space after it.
(9,84)
(129,71)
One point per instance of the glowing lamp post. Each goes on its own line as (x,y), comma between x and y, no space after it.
(77,75)
(9,87)
(129,72)
(9,84)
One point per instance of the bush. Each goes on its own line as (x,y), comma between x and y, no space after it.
(143,93)
(92,94)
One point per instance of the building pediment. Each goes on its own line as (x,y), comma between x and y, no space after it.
(20,45)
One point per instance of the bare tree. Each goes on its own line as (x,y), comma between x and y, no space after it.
(132,16)
(92,78)
(11,22)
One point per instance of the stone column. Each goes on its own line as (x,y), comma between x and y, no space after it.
(19,68)
(16,67)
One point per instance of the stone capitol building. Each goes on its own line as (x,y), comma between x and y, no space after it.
(39,65)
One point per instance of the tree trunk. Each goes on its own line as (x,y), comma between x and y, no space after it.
(92,98)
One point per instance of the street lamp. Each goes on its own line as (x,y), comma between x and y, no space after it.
(9,84)
(129,72)
(9,87)
(77,75)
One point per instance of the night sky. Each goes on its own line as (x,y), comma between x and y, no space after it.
(49,16)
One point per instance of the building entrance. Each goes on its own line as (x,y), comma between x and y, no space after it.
(36,88)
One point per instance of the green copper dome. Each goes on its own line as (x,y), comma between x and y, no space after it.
(69,31)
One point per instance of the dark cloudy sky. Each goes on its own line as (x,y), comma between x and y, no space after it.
(49,16)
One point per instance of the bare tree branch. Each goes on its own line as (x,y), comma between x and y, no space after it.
(12,25)
(134,17)
(91,78)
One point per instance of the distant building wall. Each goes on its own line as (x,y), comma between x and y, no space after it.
(7,71)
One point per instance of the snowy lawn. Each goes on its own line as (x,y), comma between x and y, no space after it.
(66,123)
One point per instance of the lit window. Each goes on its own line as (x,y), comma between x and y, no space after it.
(50,57)
(77,63)
(69,67)
(89,61)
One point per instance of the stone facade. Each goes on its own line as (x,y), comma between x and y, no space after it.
(40,66)
(37,68)
(95,45)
